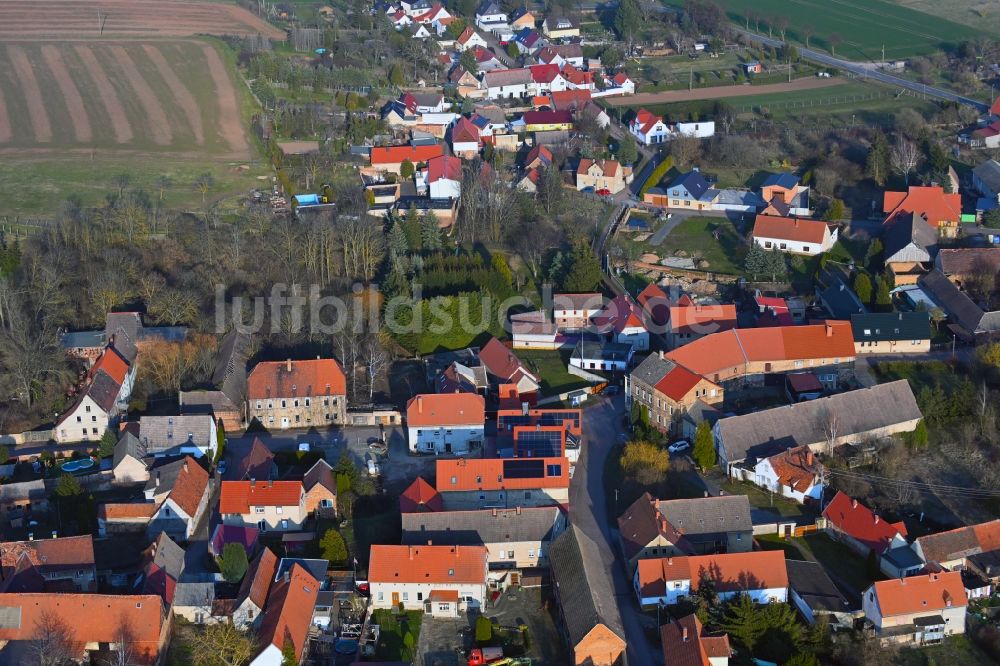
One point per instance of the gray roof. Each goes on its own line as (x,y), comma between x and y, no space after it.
(589,348)
(652,369)
(909,238)
(166,474)
(163,433)
(230,374)
(168,556)
(891,326)
(128,445)
(34,490)
(316,567)
(989,173)
(809,581)
(214,403)
(82,339)
(581,572)
(786,180)
(840,300)
(857,412)
(473,528)
(194,594)
(708,515)
(902,557)
(959,307)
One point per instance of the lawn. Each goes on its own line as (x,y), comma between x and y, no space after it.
(863,27)
(762,499)
(954,651)
(550,366)
(975,13)
(695,236)
(838,560)
(774,542)
(394,628)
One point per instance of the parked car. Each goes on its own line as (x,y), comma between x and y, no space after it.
(604,192)
(221,467)
(679,446)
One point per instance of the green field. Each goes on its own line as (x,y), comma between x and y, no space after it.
(864,26)
(75,115)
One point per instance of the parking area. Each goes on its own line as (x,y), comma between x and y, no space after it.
(442,642)
(534,608)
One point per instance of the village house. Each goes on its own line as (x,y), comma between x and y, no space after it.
(852,523)
(973,550)
(919,610)
(466,85)
(815,596)
(622,82)
(822,424)
(93,622)
(445,422)
(125,332)
(287,618)
(256,584)
(508,83)
(486,61)
(256,463)
(528,41)
(419,31)
(604,176)
(469,39)
(268,506)
(931,204)
(697,526)
(297,394)
(794,473)
(180,510)
(512,422)
(464,142)
(163,568)
(161,436)
(320,485)
(514,538)
(420,497)
(960,265)
(690,321)
(543,121)
(128,464)
(488,12)
(442,179)
(744,356)
(588,611)
(486,483)
(503,367)
(968,320)
(986,181)
(572,312)
(648,128)
(42,565)
(560,27)
(443,581)
(685,641)
(602,355)
(785,196)
(689,191)
(621,321)
(216,404)
(793,235)
(522,18)
(891,333)
(104,398)
(125,518)
(668,391)
(909,248)
(389,159)
(761,575)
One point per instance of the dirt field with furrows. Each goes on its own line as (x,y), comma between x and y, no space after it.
(177,97)
(101,19)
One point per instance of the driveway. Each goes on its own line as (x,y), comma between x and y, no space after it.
(440,641)
(602,423)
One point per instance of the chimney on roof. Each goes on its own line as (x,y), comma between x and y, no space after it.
(706,493)
(829,330)
(288,576)
(156,481)
(809,457)
(854,504)
(420,404)
(430,543)
(410,552)
(55,534)
(288,365)
(518,509)
(31,536)
(670,561)
(876,519)
(684,634)
(270,483)
(253,482)
(185,465)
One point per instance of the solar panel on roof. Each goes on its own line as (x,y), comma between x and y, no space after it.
(546,444)
(524,469)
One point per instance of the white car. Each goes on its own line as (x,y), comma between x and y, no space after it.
(677,447)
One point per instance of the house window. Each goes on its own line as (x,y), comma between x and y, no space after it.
(527,494)
(279,509)
(444,608)
(326,402)
(93,430)
(420,596)
(308,402)
(258,509)
(270,419)
(482,497)
(454,480)
(270,404)
(510,554)
(531,552)
(503,555)
(380,596)
(783,246)
(259,404)
(768,244)
(295,403)
(406,596)
(284,524)
(87,408)
(79,419)
(553,470)
(326,504)
(805,248)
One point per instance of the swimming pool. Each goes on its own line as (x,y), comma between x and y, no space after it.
(77,465)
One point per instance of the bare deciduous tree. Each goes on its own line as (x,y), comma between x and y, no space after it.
(222,645)
(126,652)
(904,158)
(831,430)
(52,642)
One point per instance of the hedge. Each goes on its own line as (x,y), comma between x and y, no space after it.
(658,173)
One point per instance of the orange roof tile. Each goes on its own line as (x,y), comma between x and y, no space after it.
(427,564)
(257,581)
(488,474)
(237,497)
(929,202)
(126,510)
(858,521)
(445,409)
(619,313)
(703,319)
(678,383)
(762,569)
(420,496)
(90,618)
(399,154)
(795,468)
(48,554)
(289,610)
(287,379)
(790,228)
(444,595)
(189,488)
(920,594)
(112,363)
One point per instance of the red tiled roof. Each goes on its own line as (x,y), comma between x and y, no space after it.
(608,167)
(446,596)
(466,35)
(115,511)
(287,379)
(289,610)
(995,107)
(961,542)
(568,100)
(445,409)
(463,131)
(686,643)
(929,202)
(544,73)
(678,383)
(922,593)
(112,363)
(547,117)
(427,564)
(656,303)
(577,76)
(90,618)
(790,228)
(47,554)
(539,152)
(502,362)
(617,315)
(236,497)
(189,488)
(621,78)
(487,474)
(399,154)
(795,468)
(444,168)
(420,496)
(645,120)
(703,319)
(858,521)
(730,572)
(257,581)
(256,464)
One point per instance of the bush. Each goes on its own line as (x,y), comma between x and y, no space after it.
(333,548)
(657,175)
(484,630)
(645,462)
(233,563)
(704,446)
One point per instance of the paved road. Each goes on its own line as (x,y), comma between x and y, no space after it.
(602,423)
